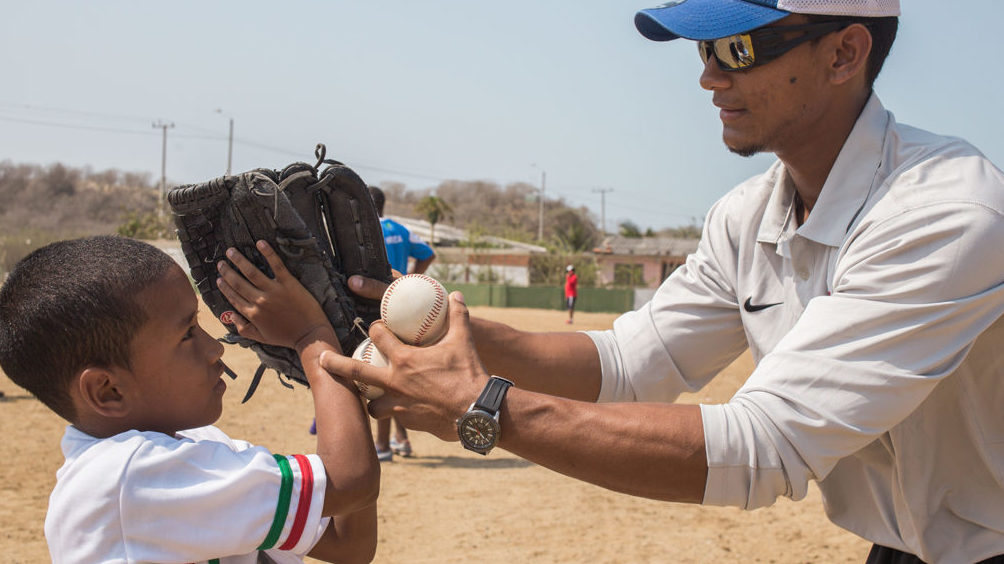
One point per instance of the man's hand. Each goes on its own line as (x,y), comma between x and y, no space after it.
(369,287)
(426,388)
(276,311)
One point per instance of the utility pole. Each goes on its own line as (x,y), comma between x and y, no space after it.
(163,157)
(603,206)
(540,211)
(230,142)
(230,146)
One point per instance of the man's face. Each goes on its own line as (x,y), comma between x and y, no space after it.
(175,364)
(773,107)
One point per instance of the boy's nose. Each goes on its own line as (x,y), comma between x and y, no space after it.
(217,350)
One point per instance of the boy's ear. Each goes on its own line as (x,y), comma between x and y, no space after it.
(101,390)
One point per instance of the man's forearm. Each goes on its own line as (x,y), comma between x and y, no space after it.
(644,449)
(559,364)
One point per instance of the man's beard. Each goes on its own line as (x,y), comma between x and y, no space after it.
(747,151)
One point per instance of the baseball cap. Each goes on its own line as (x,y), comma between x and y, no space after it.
(712,19)
(569,268)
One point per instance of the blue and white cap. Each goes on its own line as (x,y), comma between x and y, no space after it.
(711,19)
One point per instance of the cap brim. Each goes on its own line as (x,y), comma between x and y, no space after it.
(703,19)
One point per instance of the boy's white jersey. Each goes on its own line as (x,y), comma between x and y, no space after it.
(197,497)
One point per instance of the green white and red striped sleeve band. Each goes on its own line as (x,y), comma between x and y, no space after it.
(298,508)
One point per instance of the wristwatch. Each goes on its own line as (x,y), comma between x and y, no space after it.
(479,428)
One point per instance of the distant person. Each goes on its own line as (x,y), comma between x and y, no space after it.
(104,331)
(401,244)
(571,291)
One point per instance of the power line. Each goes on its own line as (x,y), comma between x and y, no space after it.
(207,134)
(72,126)
(211,137)
(34,108)
(654,209)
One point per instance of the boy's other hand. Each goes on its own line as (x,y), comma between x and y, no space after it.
(277,311)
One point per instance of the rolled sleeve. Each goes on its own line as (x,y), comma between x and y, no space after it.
(687,333)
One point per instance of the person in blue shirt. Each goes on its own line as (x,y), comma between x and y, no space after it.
(401,244)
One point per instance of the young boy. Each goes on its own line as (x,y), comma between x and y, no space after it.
(104,331)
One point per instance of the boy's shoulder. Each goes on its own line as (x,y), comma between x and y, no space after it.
(134,451)
(76,442)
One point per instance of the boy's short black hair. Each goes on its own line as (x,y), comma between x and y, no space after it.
(70,305)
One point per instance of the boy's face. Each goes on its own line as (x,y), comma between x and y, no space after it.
(175,365)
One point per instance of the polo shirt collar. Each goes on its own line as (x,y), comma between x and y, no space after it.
(845,191)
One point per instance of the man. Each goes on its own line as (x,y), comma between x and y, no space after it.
(861,271)
(401,245)
(571,291)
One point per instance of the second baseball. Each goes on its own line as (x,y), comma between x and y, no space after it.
(414,307)
(368,353)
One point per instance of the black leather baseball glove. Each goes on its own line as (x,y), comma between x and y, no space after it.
(323,225)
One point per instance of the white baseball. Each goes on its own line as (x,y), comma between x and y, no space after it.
(368,353)
(415,307)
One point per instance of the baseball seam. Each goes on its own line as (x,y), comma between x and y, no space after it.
(366,356)
(387,294)
(434,312)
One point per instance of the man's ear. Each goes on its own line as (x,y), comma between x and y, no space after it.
(101,391)
(850,57)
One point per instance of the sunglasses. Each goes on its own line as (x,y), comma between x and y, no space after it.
(744,51)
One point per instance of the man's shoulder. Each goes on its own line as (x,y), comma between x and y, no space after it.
(910,144)
(922,167)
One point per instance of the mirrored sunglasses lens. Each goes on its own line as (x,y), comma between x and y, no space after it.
(704,48)
(734,52)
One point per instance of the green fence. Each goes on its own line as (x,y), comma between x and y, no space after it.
(545,297)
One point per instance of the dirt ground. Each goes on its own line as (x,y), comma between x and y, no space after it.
(447,505)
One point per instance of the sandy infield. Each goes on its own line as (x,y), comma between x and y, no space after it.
(449,505)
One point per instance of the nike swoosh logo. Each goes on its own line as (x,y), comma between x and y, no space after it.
(748,306)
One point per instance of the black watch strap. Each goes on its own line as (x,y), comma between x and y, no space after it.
(491,397)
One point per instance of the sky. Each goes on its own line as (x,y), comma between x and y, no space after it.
(555,92)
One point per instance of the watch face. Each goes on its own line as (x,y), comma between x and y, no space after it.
(478,431)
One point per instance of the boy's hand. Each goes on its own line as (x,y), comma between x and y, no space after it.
(276,311)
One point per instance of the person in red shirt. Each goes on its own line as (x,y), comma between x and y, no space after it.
(571,290)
